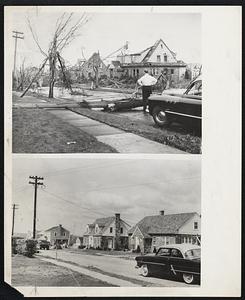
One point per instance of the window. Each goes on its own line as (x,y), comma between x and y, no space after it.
(165,57)
(176,253)
(64,234)
(55,234)
(163,252)
(111,229)
(172,71)
(121,230)
(158,58)
(134,72)
(195,225)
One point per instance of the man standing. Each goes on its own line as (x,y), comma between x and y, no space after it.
(146,82)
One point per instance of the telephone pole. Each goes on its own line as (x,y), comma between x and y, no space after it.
(15,206)
(17,35)
(36,182)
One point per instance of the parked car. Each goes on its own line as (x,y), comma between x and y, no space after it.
(43,244)
(187,107)
(179,260)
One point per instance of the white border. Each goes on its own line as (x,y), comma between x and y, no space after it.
(221,158)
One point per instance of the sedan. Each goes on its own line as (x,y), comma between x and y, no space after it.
(179,260)
(186,108)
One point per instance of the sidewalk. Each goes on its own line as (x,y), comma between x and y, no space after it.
(120,140)
(85,271)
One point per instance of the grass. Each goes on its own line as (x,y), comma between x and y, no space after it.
(181,140)
(38,131)
(35,272)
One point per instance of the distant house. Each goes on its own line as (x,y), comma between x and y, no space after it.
(154,231)
(194,70)
(91,66)
(57,235)
(155,59)
(115,69)
(107,233)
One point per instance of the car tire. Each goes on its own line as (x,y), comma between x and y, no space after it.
(188,278)
(159,116)
(144,270)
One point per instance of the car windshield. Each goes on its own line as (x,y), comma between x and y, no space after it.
(195,88)
(193,254)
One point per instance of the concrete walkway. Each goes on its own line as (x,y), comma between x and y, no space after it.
(120,140)
(99,276)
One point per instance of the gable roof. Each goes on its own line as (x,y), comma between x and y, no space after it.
(159,224)
(153,48)
(55,227)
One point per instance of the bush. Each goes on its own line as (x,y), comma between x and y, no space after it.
(31,248)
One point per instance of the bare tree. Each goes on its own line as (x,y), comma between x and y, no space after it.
(66,30)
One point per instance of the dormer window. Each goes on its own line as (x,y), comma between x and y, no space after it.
(165,57)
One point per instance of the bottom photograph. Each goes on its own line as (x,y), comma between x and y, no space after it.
(106,222)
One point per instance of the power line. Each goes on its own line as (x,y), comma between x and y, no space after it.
(36,183)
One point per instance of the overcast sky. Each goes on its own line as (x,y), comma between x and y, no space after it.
(106,32)
(76,191)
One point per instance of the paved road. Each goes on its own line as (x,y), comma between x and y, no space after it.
(112,265)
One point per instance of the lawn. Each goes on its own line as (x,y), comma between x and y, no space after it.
(35,272)
(182,140)
(37,131)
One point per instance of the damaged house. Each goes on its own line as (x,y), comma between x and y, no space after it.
(155,231)
(155,59)
(107,233)
(95,66)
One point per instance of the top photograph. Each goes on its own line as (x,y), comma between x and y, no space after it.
(94,81)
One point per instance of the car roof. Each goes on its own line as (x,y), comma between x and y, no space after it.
(182,247)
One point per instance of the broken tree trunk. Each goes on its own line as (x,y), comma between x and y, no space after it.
(126,104)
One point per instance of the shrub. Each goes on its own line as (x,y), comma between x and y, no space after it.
(31,248)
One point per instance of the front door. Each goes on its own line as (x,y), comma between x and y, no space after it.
(110,243)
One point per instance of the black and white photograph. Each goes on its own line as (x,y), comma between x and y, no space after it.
(106,222)
(81,84)
(118,180)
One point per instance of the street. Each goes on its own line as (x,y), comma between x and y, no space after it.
(109,265)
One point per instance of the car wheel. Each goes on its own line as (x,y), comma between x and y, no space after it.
(144,270)
(188,278)
(159,116)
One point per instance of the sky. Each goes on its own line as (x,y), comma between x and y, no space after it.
(76,191)
(106,32)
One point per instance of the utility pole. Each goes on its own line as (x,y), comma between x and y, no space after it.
(17,35)
(15,206)
(36,182)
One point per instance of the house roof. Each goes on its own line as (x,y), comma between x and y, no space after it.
(153,48)
(103,224)
(162,224)
(56,227)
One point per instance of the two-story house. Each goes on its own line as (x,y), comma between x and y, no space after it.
(107,233)
(155,231)
(57,235)
(155,59)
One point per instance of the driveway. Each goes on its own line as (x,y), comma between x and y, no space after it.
(111,266)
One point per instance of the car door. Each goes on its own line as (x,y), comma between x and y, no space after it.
(161,261)
(176,261)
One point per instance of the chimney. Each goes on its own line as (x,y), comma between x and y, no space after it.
(117,232)
(162,212)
